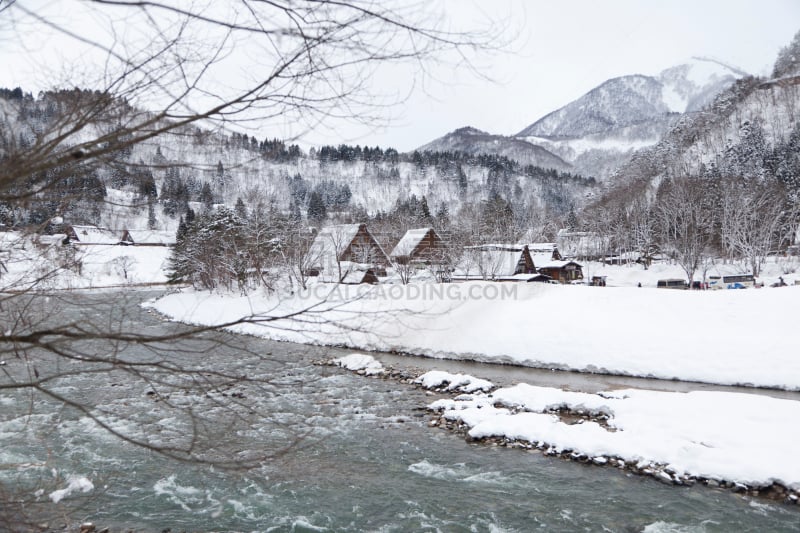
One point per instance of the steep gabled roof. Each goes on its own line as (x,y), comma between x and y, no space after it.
(410,241)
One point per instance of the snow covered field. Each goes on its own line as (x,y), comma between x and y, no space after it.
(724,337)
(51,266)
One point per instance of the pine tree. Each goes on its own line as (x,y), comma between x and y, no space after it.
(240,209)
(151,214)
(425,212)
(206,197)
(316,208)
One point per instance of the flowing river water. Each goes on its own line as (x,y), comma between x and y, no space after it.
(342,452)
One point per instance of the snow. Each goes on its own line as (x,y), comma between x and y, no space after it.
(461,382)
(46,264)
(582,145)
(75,484)
(723,337)
(674,100)
(359,361)
(743,438)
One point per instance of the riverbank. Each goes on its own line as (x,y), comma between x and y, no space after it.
(676,438)
(720,337)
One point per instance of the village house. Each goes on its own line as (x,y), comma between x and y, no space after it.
(496,262)
(92,235)
(421,246)
(561,271)
(341,249)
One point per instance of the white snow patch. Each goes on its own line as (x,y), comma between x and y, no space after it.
(744,438)
(75,484)
(436,379)
(360,361)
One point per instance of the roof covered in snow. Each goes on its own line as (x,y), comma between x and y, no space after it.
(488,262)
(333,245)
(94,235)
(410,241)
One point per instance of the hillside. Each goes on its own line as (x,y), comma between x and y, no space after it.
(153,182)
(473,141)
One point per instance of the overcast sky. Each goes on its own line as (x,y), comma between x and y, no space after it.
(569,47)
(563,49)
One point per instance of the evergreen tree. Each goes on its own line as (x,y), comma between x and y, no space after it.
(206,197)
(424,211)
(240,209)
(151,214)
(316,208)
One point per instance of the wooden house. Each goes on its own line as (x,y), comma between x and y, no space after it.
(561,271)
(91,235)
(495,262)
(418,246)
(343,248)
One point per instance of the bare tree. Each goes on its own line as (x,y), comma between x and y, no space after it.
(316,58)
(753,220)
(686,221)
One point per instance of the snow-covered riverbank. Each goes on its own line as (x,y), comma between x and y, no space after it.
(743,441)
(724,337)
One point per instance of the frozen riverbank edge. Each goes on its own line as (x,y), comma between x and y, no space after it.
(714,447)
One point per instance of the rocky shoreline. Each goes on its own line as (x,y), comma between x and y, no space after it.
(660,472)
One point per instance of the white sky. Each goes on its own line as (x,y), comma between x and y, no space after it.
(564,49)
(571,46)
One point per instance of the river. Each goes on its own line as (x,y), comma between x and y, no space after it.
(328,450)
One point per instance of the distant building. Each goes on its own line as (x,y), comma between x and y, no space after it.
(421,246)
(561,271)
(92,235)
(497,262)
(340,249)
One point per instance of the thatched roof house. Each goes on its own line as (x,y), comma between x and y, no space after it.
(92,235)
(422,245)
(494,262)
(341,248)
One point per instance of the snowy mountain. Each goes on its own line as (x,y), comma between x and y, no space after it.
(600,130)
(750,130)
(474,141)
